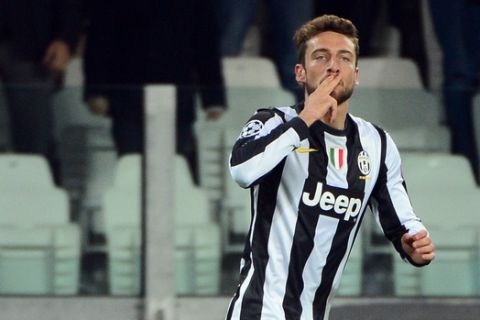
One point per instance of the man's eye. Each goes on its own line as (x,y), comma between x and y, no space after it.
(345,59)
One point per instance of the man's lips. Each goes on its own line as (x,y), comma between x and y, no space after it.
(325,77)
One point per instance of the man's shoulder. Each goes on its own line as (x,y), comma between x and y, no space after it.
(363,124)
(288,111)
(284,112)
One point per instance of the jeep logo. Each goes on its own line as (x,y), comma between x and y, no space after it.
(327,201)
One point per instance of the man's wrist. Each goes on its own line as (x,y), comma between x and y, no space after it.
(307,119)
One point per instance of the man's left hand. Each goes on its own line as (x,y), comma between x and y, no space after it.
(419,247)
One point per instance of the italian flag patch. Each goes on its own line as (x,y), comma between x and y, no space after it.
(336,156)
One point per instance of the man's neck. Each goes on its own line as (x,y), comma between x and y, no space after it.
(339,122)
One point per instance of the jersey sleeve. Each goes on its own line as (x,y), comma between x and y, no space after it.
(390,202)
(265,140)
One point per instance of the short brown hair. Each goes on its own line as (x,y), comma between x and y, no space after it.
(321,24)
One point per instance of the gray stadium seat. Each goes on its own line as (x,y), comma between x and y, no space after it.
(39,246)
(437,172)
(250,71)
(453,272)
(391,95)
(197,239)
(411,116)
(389,72)
(444,195)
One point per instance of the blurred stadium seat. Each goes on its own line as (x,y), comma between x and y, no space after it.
(411,116)
(445,196)
(389,73)
(197,239)
(250,71)
(435,172)
(39,246)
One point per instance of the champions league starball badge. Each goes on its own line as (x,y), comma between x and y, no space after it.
(251,128)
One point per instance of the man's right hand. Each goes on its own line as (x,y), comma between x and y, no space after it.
(99,105)
(319,104)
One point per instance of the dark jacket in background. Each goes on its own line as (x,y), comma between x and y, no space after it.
(162,41)
(31,25)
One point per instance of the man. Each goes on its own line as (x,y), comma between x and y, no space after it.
(37,39)
(312,170)
(167,41)
(459,40)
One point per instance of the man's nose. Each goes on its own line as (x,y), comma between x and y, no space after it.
(333,67)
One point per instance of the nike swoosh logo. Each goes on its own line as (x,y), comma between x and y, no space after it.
(305,150)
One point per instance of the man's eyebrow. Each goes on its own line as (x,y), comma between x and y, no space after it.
(325,50)
(345,51)
(320,50)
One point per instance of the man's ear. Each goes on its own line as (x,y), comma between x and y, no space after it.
(356,77)
(300,74)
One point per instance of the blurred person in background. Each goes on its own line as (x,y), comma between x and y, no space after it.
(37,40)
(282,18)
(456,24)
(406,16)
(152,42)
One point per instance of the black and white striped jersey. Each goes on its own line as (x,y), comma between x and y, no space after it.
(309,190)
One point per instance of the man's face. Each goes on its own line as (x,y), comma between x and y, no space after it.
(329,53)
